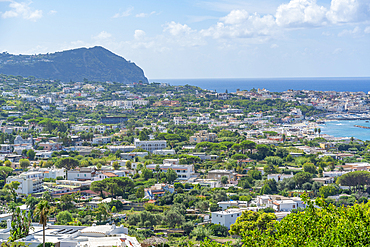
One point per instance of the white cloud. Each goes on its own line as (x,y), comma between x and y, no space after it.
(367,30)
(298,13)
(345,32)
(52,12)
(181,35)
(273,46)
(125,13)
(337,51)
(177,29)
(240,24)
(139,34)
(348,11)
(236,17)
(22,10)
(142,15)
(102,35)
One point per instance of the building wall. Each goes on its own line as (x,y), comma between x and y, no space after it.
(225,219)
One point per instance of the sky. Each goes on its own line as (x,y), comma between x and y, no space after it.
(201,38)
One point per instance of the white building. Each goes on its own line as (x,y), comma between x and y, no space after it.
(84,173)
(5,148)
(150,145)
(101,139)
(43,154)
(164,152)
(226,218)
(284,205)
(30,182)
(184,172)
(53,172)
(76,236)
(279,177)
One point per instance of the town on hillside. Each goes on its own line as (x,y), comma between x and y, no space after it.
(150,164)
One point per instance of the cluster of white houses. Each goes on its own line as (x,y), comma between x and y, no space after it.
(231,210)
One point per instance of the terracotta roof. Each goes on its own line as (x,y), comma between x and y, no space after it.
(110,174)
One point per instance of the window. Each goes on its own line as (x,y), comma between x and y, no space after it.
(293,206)
(232,215)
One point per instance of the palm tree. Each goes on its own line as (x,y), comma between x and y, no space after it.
(43,210)
(319,130)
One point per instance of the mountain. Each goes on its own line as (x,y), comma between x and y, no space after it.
(94,64)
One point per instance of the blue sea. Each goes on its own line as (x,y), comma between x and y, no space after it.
(346,128)
(352,84)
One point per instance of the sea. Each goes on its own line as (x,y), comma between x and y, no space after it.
(343,128)
(353,84)
(346,128)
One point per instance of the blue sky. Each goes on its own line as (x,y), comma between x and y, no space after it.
(201,39)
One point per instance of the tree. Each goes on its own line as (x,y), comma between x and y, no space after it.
(128,164)
(24,163)
(146,173)
(250,220)
(310,168)
(187,227)
(31,155)
(255,174)
(202,206)
(274,160)
(224,180)
(247,145)
(66,202)
(173,218)
(21,224)
(7,163)
(140,192)
(246,198)
(270,169)
(11,188)
(201,232)
(266,190)
(329,190)
(157,171)
(357,179)
(102,212)
(219,230)
(31,203)
(63,217)
(115,165)
(171,175)
(324,225)
(99,166)
(67,163)
(43,211)
(302,177)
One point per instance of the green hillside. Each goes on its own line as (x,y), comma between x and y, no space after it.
(94,64)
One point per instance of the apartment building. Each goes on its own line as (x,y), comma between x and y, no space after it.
(150,146)
(30,182)
(184,172)
(227,217)
(82,174)
(203,136)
